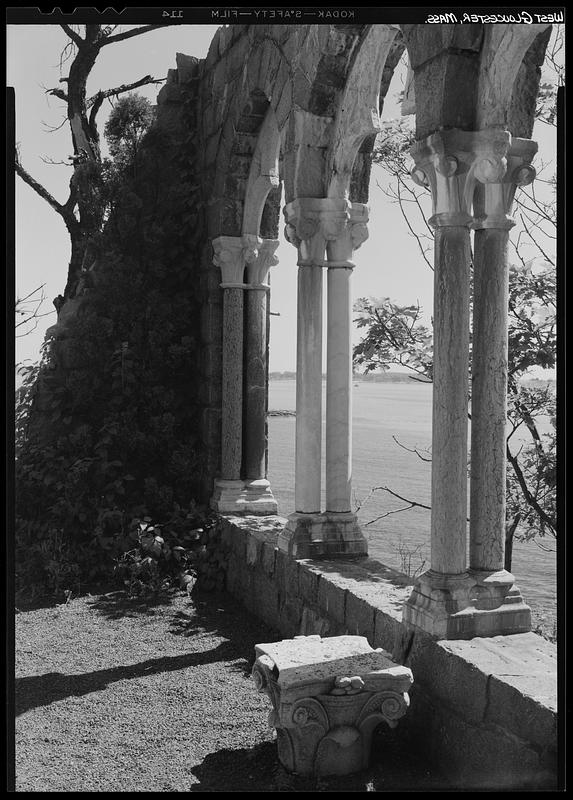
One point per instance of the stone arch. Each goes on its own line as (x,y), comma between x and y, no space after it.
(253,76)
(521,112)
(505,51)
(241,133)
(358,115)
(263,178)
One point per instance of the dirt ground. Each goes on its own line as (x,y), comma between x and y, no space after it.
(122,695)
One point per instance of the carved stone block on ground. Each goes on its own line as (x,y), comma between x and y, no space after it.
(328,696)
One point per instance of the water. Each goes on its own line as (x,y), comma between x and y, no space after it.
(389,421)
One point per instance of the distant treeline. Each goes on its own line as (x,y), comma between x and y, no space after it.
(400,377)
(370,377)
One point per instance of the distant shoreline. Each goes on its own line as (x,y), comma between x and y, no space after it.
(403,377)
(372,377)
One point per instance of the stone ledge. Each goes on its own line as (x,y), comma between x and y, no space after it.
(498,692)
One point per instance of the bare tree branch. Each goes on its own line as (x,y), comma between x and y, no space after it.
(119,37)
(96,101)
(48,160)
(31,315)
(39,189)
(54,128)
(75,37)
(64,210)
(412,450)
(126,87)
(411,504)
(59,93)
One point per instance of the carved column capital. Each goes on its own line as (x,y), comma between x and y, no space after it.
(232,254)
(339,251)
(498,178)
(317,226)
(473,175)
(258,268)
(444,164)
(229,256)
(310,223)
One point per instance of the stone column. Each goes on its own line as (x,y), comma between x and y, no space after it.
(305,232)
(442,165)
(230,256)
(258,497)
(348,231)
(448,601)
(321,227)
(498,178)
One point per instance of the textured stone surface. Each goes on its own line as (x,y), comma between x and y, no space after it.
(328,695)
(487,701)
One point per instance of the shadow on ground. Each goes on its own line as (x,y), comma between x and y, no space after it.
(42,690)
(257,769)
(220,614)
(118,604)
(211,613)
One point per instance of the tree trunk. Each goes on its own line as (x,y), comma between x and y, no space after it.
(86,182)
(509,534)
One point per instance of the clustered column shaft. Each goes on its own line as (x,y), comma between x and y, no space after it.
(494,197)
(471,188)
(339,253)
(258,495)
(232,255)
(325,232)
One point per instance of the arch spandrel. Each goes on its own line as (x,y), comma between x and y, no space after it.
(263,175)
(503,64)
(358,115)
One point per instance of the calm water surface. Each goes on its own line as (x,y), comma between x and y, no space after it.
(388,418)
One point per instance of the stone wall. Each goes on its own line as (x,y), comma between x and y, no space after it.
(485,709)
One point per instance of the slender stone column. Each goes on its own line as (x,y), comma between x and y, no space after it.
(305,231)
(258,495)
(443,163)
(448,601)
(338,391)
(230,256)
(341,525)
(498,178)
(317,226)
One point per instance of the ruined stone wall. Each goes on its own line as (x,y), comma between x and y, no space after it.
(484,709)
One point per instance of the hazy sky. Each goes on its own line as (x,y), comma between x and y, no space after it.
(387,264)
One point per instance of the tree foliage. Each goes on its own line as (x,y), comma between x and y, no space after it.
(84,210)
(127,124)
(107,423)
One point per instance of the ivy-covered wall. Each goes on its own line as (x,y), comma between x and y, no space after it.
(123,421)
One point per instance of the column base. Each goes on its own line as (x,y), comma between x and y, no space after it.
(228,497)
(467,605)
(258,498)
(326,535)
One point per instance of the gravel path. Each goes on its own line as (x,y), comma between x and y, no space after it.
(122,696)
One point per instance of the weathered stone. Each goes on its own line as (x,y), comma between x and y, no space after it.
(170,93)
(328,695)
(269,557)
(187,67)
(309,578)
(359,616)
(332,599)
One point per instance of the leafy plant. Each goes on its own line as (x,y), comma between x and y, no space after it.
(161,557)
(107,423)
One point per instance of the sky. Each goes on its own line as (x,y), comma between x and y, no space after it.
(388,264)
